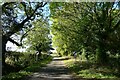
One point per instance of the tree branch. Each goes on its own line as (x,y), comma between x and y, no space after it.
(19,26)
(116,26)
(28,18)
(14,42)
(25,34)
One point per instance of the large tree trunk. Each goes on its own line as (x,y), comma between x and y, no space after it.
(101,53)
(4,42)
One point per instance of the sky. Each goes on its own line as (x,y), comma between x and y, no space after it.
(13,47)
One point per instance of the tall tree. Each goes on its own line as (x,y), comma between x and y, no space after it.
(38,38)
(17,18)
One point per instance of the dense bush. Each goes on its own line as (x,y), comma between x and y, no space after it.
(16,61)
(31,66)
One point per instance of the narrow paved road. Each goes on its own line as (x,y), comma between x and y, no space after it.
(55,70)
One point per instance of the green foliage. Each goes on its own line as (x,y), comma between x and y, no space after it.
(92,70)
(23,60)
(90,26)
(16,76)
(15,61)
(38,38)
(35,66)
(91,73)
(18,58)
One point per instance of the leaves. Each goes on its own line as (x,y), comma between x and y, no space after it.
(38,36)
(87,25)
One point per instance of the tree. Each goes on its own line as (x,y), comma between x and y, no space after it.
(89,24)
(38,39)
(17,18)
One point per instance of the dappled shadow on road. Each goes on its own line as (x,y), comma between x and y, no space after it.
(56,70)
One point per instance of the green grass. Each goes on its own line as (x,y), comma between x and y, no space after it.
(91,73)
(16,76)
(27,71)
(90,70)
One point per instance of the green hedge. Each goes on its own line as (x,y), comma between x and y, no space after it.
(28,70)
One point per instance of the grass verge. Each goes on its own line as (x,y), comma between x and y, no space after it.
(28,70)
(90,70)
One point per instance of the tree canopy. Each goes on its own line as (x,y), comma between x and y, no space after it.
(92,26)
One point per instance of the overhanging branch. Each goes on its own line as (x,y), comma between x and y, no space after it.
(28,18)
(14,42)
(19,26)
